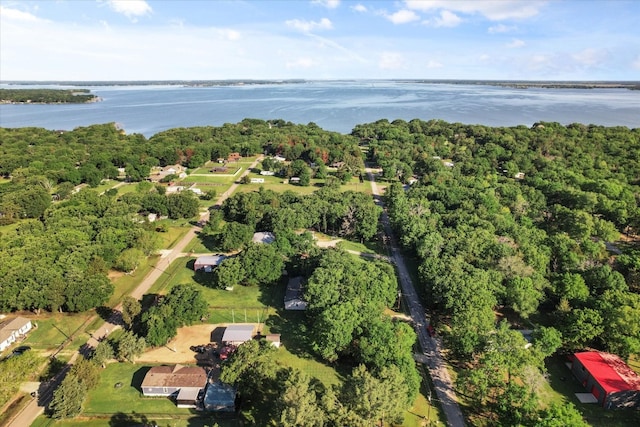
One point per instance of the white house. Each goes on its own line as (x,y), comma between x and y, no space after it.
(279,158)
(13,329)
(267,173)
(263,237)
(257,180)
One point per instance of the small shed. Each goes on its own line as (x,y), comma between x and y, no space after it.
(220,397)
(273,339)
(237,334)
(611,381)
(257,181)
(263,237)
(293,298)
(207,263)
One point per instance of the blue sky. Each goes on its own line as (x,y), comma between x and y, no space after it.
(321,39)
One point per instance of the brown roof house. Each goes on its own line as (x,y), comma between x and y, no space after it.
(186,381)
(13,329)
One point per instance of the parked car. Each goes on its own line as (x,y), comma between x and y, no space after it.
(22,349)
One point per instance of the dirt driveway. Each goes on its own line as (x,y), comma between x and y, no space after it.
(178,351)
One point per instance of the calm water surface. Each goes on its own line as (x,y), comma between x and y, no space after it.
(336,106)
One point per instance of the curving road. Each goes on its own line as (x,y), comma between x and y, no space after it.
(431,347)
(36,407)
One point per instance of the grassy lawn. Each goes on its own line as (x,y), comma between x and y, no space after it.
(55,328)
(172,236)
(126,283)
(211,179)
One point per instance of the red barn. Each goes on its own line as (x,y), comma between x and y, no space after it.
(611,381)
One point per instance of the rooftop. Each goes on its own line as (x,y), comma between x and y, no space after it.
(175,376)
(611,372)
(234,333)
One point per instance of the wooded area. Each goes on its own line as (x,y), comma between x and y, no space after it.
(512,228)
(46,96)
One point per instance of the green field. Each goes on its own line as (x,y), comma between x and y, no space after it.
(53,329)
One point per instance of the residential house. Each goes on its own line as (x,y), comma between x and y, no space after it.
(208,262)
(280,158)
(611,381)
(186,381)
(234,157)
(267,173)
(293,298)
(12,330)
(237,334)
(257,180)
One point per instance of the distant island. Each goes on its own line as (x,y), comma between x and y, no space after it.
(46,96)
(518,84)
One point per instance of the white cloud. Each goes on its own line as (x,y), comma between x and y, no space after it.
(403,16)
(484,57)
(329,4)
(636,64)
(434,64)
(447,19)
(391,61)
(308,26)
(495,10)
(228,34)
(130,8)
(301,63)
(516,43)
(590,57)
(17,15)
(359,8)
(501,28)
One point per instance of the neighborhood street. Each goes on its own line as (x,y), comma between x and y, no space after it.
(431,346)
(36,407)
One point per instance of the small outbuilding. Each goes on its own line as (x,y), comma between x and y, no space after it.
(263,237)
(220,397)
(237,334)
(208,263)
(294,295)
(169,379)
(611,381)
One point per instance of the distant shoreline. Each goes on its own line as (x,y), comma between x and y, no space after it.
(517,84)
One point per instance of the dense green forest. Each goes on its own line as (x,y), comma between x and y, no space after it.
(537,226)
(46,96)
(517,222)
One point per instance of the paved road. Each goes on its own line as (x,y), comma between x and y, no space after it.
(36,407)
(431,346)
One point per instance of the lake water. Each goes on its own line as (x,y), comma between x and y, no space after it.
(336,106)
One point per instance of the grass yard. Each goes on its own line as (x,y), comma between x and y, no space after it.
(173,235)
(211,179)
(125,283)
(55,328)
